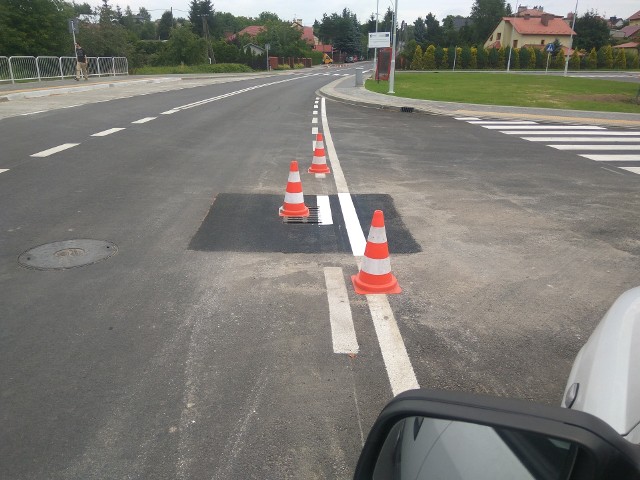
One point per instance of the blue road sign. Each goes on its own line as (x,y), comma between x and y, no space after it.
(550,47)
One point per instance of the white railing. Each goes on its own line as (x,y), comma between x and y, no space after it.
(21,68)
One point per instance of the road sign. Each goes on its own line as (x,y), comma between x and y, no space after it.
(550,47)
(73,25)
(379,40)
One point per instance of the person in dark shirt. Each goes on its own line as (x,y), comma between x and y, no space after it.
(81,66)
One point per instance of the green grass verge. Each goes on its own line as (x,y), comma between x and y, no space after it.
(522,90)
(187,69)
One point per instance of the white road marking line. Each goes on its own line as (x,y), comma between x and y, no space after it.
(394,353)
(169,112)
(612,171)
(2,170)
(315,112)
(320,175)
(343,333)
(51,151)
(73,106)
(314,120)
(502,122)
(613,158)
(466,118)
(354,230)
(568,132)
(104,133)
(632,169)
(583,139)
(33,113)
(542,127)
(314,131)
(324,210)
(145,120)
(595,147)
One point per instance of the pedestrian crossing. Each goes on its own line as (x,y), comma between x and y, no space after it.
(616,148)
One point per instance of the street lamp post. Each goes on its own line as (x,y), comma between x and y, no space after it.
(566,62)
(375,50)
(392,75)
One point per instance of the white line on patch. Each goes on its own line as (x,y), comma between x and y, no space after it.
(324,210)
(51,151)
(104,133)
(145,120)
(343,333)
(351,221)
(394,353)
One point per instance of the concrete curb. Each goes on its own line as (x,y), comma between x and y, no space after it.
(362,97)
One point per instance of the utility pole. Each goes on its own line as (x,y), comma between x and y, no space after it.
(573,24)
(392,76)
(205,31)
(375,50)
(511,40)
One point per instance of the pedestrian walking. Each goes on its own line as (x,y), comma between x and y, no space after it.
(81,65)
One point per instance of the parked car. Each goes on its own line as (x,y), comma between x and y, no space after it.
(349,59)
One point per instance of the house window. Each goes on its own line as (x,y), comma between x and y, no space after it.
(499,35)
(541,42)
(515,44)
(491,39)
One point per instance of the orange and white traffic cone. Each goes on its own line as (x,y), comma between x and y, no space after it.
(375,273)
(293,205)
(319,163)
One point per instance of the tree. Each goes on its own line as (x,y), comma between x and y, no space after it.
(201,16)
(465,57)
(485,15)
(185,47)
(165,25)
(605,57)
(419,31)
(416,63)
(620,61)
(592,59)
(449,31)
(35,27)
(525,58)
(429,58)
(435,34)
(591,31)
(574,61)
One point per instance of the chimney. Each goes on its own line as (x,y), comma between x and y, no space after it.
(545,19)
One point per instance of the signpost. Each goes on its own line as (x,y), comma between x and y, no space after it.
(379,40)
(267,46)
(74,27)
(549,48)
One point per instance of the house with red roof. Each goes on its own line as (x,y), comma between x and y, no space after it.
(531,28)
(635,18)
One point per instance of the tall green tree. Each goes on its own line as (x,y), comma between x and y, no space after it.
(419,31)
(35,27)
(485,16)
(591,31)
(435,33)
(201,16)
(165,25)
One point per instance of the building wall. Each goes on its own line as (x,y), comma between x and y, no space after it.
(508,34)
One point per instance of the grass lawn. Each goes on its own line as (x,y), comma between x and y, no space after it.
(523,90)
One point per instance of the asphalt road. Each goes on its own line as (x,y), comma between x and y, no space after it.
(204,349)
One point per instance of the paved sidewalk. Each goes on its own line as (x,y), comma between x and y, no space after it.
(344,90)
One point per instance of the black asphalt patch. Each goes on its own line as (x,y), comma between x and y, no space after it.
(250,223)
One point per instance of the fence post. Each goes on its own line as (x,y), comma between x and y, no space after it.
(113,65)
(38,68)
(13,80)
(60,64)
(98,63)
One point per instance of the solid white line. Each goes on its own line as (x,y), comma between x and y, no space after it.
(543,127)
(613,158)
(2,170)
(343,333)
(596,147)
(324,210)
(351,221)
(466,118)
(394,353)
(145,120)
(632,169)
(104,133)
(568,132)
(51,151)
(502,122)
(583,139)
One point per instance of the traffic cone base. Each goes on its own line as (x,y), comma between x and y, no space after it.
(364,286)
(319,163)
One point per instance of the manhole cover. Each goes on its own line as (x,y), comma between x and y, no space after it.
(67,254)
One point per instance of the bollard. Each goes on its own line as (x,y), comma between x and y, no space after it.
(359,80)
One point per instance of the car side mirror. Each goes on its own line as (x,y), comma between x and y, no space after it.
(428,434)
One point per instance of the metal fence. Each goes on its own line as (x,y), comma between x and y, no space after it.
(20,68)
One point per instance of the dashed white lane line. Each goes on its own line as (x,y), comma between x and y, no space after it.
(314,120)
(314,131)
(104,133)
(169,112)
(613,158)
(595,147)
(343,333)
(145,120)
(542,127)
(51,151)
(394,353)
(2,170)
(584,139)
(324,210)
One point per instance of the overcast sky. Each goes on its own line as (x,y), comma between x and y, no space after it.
(408,10)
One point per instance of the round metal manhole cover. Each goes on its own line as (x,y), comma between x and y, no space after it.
(67,254)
